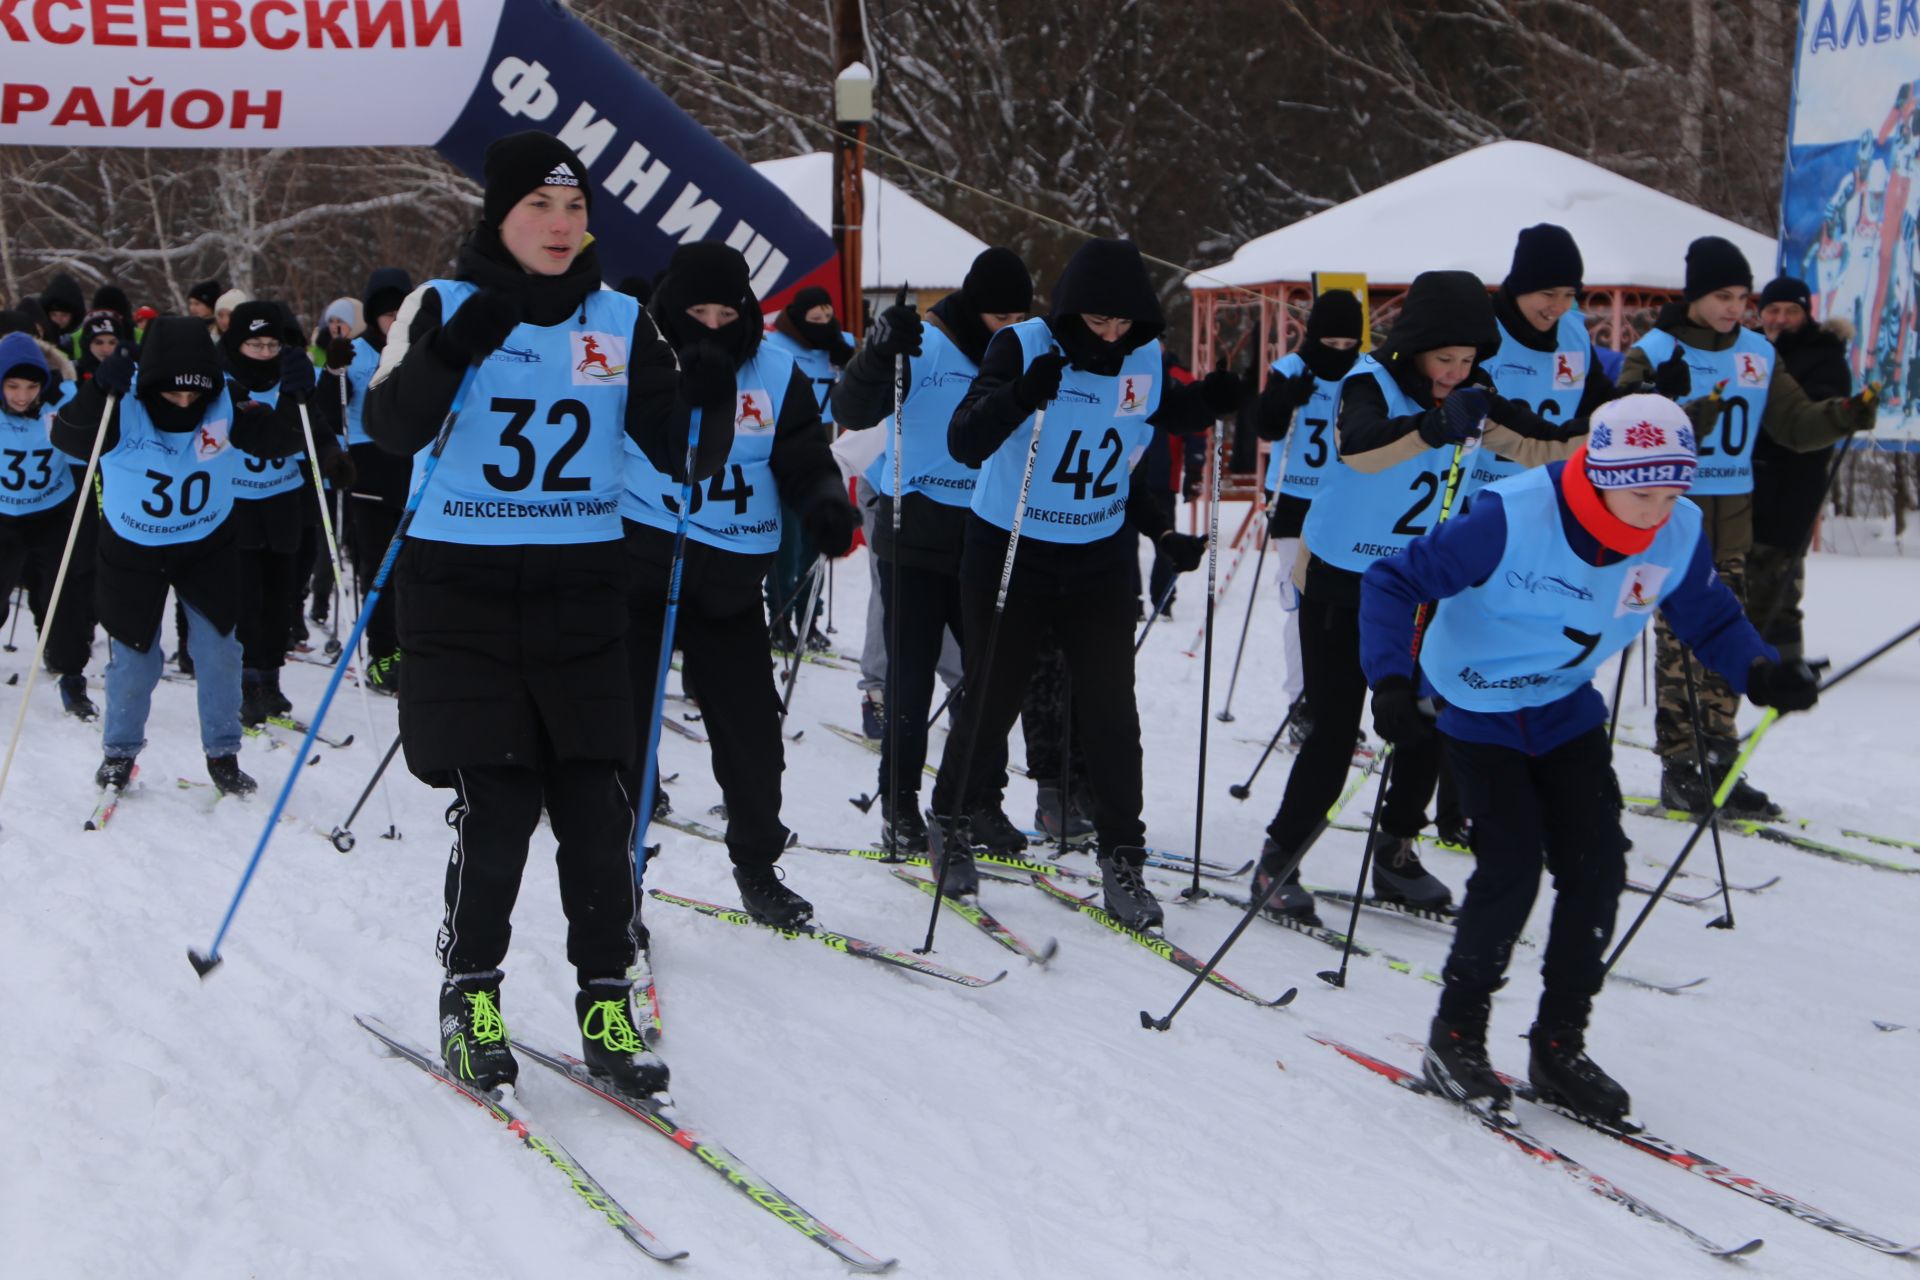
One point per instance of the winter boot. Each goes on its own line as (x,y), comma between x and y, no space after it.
(817,642)
(873,718)
(768,900)
(1455,832)
(1300,727)
(183,658)
(1456,1065)
(1124,894)
(254,706)
(226,775)
(1399,877)
(114,773)
(952,853)
(277,703)
(1681,786)
(1290,901)
(902,829)
(662,805)
(1562,1072)
(73,697)
(473,1035)
(1047,817)
(990,829)
(383,674)
(610,1045)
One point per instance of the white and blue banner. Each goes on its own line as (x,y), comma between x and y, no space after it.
(1850,200)
(448,74)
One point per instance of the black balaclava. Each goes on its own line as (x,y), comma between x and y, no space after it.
(708,271)
(176,356)
(821,337)
(1104,278)
(256,319)
(1336,314)
(387,288)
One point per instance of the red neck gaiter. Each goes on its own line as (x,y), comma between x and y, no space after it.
(1584,501)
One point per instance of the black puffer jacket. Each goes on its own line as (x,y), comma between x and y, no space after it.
(1789,487)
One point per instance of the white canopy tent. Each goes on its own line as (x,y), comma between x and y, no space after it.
(903,241)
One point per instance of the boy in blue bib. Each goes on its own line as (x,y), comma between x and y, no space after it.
(1734,388)
(1551,573)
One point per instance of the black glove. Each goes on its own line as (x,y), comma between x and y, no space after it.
(706,375)
(1458,419)
(478,328)
(1673,379)
(296,373)
(1300,388)
(115,374)
(831,521)
(897,332)
(1397,716)
(1221,390)
(1184,550)
(340,471)
(1785,686)
(339,353)
(1037,387)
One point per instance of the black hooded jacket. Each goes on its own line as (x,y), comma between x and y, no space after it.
(63,293)
(1789,487)
(1105,277)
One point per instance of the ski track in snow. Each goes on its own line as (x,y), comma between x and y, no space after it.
(245,1127)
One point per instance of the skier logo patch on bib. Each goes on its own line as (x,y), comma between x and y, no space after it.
(210,439)
(1569,368)
(1640,593)
(754,415)
(599,359)
(1136,393)
(1753,370)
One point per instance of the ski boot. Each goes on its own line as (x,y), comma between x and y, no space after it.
(1047,817)
(228,778)
(1300,725)
(1562,1072)
(473,1035)
(254,706)
(1399,877)
(1456,833)
(1456,1067)
(383,674)
(74,699)
(1745,800)
(1681,786)
(990,829)
(873,718)
(1124,894)
(948,841)
(817,642)
(276,701)
(610,1046)
(114,773)
(1290,901)
(902,829)
(662,804)
(766,899)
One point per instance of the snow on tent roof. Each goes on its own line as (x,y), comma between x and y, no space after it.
(904,241)
(1465,212)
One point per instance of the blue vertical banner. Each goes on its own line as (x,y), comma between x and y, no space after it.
(661,179)
(1850,200)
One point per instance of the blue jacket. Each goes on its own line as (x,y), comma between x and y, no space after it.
(1461,552)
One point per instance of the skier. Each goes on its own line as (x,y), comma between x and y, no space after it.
(807,332)
(1789,487)
(101,334)
(1549,574)
(1406,412)
(1306,383)
(1095,368)
(37,497)
(762,450)
(167,470)
(1738,391)
(65,309)
(272,497)
(200,300)
(511,592)
(944,354)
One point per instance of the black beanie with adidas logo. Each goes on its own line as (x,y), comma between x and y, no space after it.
(521,162)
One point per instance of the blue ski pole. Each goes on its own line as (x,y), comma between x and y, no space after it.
(650,772)
(206,963)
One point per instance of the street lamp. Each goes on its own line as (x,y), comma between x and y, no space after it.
(852,109)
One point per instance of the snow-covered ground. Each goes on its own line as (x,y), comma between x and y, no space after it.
(245,1127)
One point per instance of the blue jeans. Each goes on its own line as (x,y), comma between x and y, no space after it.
(131,676)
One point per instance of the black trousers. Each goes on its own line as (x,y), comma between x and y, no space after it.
(1052,747)
(1336,689)
(1095,630)
(1563,809)
(493,818)
(30,548)
(1163,571)
(370,527)
(269,596)
(929,607)
(721,632)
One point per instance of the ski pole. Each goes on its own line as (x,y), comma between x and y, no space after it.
(936,837)
(1246,623)
(1619,683)
(1206,666)
(650,770)
(892,743)
(59,585)
(1254,908)
(945,702)
(1732,776)
(1422,617)
(1159,607)
(333,649)
(342,835)
(206,962)
(1241,790)
(819,576)
(1713,820)
(14,629)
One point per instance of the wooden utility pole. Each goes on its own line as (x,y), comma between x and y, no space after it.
(853,108)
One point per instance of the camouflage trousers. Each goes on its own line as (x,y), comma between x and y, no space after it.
(1776,584)
(1672,725)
